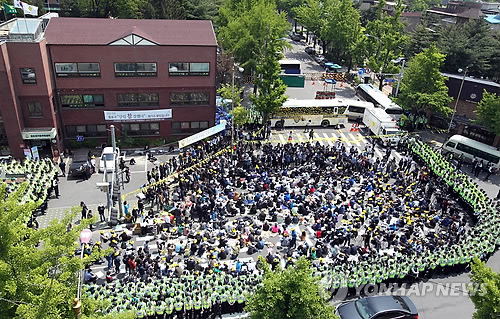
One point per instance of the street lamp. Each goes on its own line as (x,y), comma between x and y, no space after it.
(458,97)
(85,237)
(397,61)
(232,107)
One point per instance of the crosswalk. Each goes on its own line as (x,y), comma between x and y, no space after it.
(349,139)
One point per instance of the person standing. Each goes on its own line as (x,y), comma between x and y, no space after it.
(84,210)
(489,170)
(55,185)
(311,134)
(290,137)
(100,209)
(62,166)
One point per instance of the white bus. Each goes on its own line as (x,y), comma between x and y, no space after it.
(310,112)
(469,148)
(372,94)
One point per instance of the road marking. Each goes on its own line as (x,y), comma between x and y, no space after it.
(354,140)
(378,152)
(146,163)
(344,139)
(282,139)
(328,139)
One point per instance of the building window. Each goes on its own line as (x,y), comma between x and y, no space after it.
(82,100)
(136,129)
(35,109)
(189,98)
(135,69)
(188,69)
(138,99)
(189,127)
(91,130)
(68,70)
(28,75)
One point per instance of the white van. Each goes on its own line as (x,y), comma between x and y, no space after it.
(107,156)
(458,145)
(356,109)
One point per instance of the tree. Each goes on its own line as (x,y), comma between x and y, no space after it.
(240,115)
(227,93)
(422,5)
(423,87)
(271,89)
(292,293)
(342,29)
(488,112)
(423,37)
(38,268)
(470,45)
(385,40)
(201,9)
(311,15)
(247,27)
(486,299)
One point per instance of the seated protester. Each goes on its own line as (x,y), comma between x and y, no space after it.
(222,254)
(265,227)
(89,277)
(179,248)
(260,244)
(275,229)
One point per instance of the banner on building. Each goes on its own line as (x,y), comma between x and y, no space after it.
(203,134)
(138,116)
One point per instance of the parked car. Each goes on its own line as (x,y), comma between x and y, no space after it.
(319,58)
(107,156)
(78,166)
(387,307)
(310,50)
(295,36)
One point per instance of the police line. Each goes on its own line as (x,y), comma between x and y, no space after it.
(166,179)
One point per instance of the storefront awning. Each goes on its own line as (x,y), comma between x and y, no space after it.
(39,133)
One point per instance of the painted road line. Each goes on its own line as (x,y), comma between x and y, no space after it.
(344,139)
(328,139)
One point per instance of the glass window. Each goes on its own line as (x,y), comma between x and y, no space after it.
(451,144)
(28,75)
(135,69)
(181,68)
(189,98)
(66,68)
(91,128)
(195,124)
(35,109)
(141,129)
(84,69)
(71,130)
(138,99)
(178,68)
(199,67)
(189,127)
(204,124)
(101,128)
(82,101)
(81,129)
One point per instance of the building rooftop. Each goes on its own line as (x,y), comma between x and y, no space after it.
(88,31)
(471,79)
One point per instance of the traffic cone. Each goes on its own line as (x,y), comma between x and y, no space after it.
(356,129)
(352,128)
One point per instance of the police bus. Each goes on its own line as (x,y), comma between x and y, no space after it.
(323,113)
(290,66)
(372,94)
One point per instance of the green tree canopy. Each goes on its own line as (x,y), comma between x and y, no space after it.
(470,45)
(271,89)
(292,293)
(38,268)
(247,27)
(423,87)
(227,93)
(385,40)
(488,112)
(486,299)
(311,15)
(240,115)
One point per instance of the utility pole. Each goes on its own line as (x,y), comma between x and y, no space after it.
(116,189)
(400,77)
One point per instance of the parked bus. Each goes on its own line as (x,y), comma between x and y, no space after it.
(310,112)
(290,66)
(372,94)
(469,148)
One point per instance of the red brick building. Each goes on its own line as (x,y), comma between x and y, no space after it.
(70,77)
